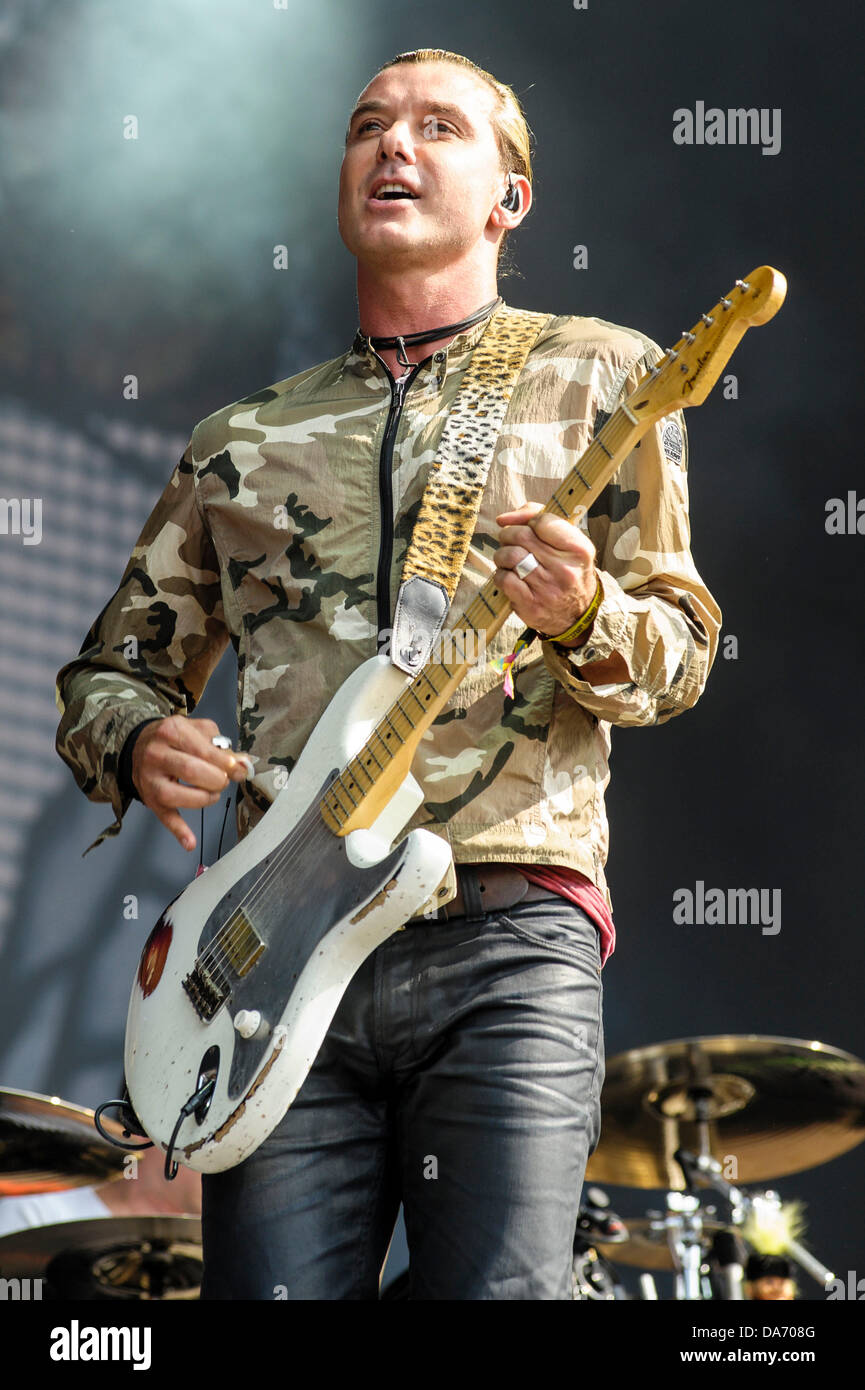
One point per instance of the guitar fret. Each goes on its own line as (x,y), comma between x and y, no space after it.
(475,632)
(386,750)
(346,787)
(342,810)
(404,712)
(395,729)
(356,763)
(430,682)
(418,702)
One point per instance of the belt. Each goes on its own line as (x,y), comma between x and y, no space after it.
(483,888)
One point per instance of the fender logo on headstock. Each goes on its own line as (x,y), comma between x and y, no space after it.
(688,385)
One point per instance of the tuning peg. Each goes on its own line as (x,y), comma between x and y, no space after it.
(742,285)
(725,303)
(690,337)
(707,319)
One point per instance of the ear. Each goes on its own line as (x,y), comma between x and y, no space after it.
(505,218)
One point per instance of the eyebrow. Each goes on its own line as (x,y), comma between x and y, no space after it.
(433,108)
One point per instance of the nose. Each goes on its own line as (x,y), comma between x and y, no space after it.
(396,144)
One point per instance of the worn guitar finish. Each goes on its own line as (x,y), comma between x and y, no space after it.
(242,975)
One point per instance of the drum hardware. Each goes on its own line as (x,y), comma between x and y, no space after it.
(594,1277)
(111,1257)
(744,1204)
(597,1220)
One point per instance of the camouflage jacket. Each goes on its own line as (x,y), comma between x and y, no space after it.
(283,530)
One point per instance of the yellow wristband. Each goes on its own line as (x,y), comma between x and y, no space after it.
(582,623)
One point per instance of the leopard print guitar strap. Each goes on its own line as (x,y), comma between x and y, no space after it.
(452,497)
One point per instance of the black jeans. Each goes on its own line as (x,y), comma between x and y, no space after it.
(461,1075)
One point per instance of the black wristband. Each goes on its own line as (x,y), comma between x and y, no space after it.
(124,764)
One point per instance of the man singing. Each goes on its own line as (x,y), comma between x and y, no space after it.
(461,1074)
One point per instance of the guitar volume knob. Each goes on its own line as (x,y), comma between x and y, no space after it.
(247,1022)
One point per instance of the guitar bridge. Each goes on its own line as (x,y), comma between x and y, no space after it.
(207,994)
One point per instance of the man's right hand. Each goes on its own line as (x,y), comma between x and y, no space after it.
(174,763)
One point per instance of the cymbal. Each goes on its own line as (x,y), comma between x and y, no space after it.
(47,1145)
(648,1246)
(117,1257)
(774,1106)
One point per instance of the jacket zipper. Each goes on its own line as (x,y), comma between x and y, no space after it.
(399,387)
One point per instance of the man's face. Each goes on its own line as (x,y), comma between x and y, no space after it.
(426,127)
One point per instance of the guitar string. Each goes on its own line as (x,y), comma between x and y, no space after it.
(619,424)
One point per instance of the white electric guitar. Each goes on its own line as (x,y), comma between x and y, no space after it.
(241,976)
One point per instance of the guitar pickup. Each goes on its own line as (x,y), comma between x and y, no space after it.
(239,942)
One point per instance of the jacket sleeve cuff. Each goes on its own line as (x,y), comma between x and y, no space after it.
(110,732)
(124,765)
(606,633)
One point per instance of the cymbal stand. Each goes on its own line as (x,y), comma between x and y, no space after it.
(708,1170)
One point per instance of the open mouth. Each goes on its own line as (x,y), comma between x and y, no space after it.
(391,192)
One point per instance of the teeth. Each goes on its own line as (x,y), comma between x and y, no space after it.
(393,188)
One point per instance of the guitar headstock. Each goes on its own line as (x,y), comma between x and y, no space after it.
(688,371)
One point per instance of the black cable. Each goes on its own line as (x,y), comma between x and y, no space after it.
(202,1094)
(225,822)
(129,1120)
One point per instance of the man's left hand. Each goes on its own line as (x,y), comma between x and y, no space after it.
(555,594)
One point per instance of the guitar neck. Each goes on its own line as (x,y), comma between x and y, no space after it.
(363,789)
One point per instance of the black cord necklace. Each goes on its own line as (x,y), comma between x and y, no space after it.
(404,340)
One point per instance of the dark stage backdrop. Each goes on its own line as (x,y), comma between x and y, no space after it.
(151,160)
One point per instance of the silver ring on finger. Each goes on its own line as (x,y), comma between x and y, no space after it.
(527,565)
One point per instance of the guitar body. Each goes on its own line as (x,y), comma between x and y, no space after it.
(243,973)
